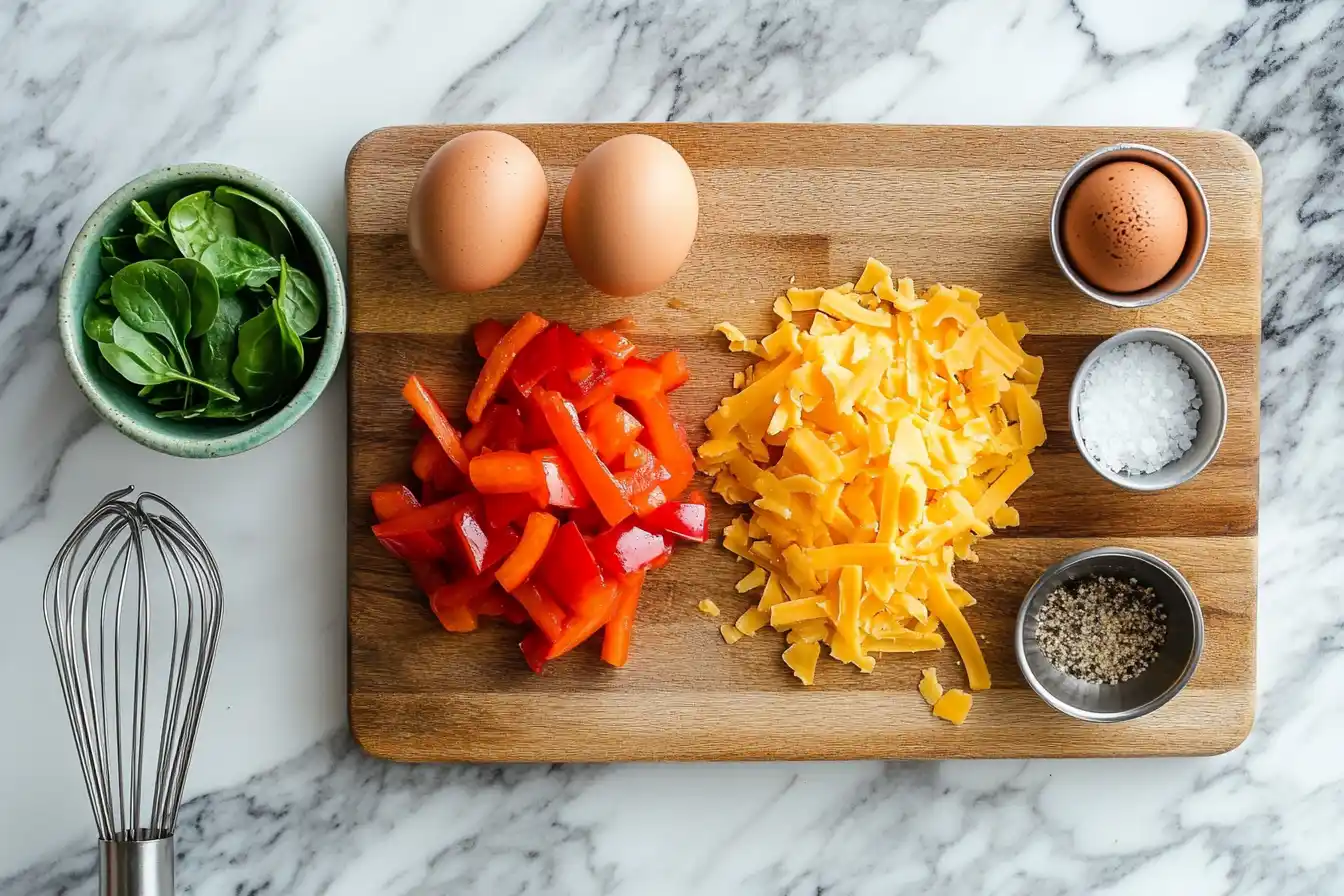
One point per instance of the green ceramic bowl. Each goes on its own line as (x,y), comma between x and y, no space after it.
(131,415)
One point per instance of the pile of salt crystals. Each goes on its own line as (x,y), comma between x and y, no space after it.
(1139,408)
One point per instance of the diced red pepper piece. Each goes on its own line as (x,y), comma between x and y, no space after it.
(603,391)
(688,520)
(391,500)
(649,501)
(510,509)
(416,535)
(497,365)
(696,497)
(576,448)
(486,335)
(519,564)
(612,430)
(585,623)
(514,614)
(613,348)
(637,382)
(539,358)
(507,472)
(507,433)
(491,603)
(453,602)
(483,546)
(432,467)
(563,488)
(568,568)
(671,367)
(664,557)
(578,359)
(420,398)
(616,637)
(648,475)
(668,441)
(627,548)
(589,520)
(428,575)
(542,607)
(637,455)
(535,645)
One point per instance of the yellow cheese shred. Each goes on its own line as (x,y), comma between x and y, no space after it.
(929,688)
(878,434)
(708,607)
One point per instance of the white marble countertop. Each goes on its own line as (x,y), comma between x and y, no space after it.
(92,94)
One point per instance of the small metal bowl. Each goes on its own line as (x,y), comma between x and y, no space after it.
(1161,681)
(1212,414)
(1197,213)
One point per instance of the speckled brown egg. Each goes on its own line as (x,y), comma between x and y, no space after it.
(477,210)
(1125,226)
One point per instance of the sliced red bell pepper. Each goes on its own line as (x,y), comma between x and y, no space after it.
(612,430)
(589,520)
(636,382)
(524,558)
(542,608)
(568,568)
(563,488)
(688,520)
(661,561)
(507,432)
(576,448)
(535,645)
(611,346)
(497,365)
(603,391)
(584,624)
(616,636)
(668,441)
(453,602)
(491,603)
(671,367)
(391,500)
(648,475)
(507,472)
(483,546)
(510,509)
(514,614)
(418,534)
(432,467)
(627,548)
(420,398)
(649,501)
(428,575)
(578,359)
(486,335)
(539,358)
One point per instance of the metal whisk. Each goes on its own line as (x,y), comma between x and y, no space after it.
(132,605)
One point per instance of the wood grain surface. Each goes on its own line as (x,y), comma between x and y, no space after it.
(802,204)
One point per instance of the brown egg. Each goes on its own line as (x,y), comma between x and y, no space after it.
(1124,227)
(630,214)
(477,210)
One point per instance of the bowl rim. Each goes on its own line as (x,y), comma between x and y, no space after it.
(1134,712)
(1137,483)
(1145,298)
(265,429)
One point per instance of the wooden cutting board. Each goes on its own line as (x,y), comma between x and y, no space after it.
(802,204)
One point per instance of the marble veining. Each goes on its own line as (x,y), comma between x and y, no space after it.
(93,94)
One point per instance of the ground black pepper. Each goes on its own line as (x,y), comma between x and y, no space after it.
(1101,629)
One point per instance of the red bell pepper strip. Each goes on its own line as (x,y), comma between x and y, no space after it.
(507,472)
(616,636)
(612,430)
(662,559)
(514,614)
(584,624)
(627,548)
(524,558)
(484,547)
(391,500)
(416,534)
(568,568)
(535,645)
(432,467)
(671,367)
(687,520)
(603,391)
(428,576)
(576,448)
(486,335)
(563,488)
(635,382)
(647,502)
(668,441)
(539,358)
(491,603)
(497,365)
(543,609)
(613,348)
(420,398)
(452,602)
(508,510)
(647,475)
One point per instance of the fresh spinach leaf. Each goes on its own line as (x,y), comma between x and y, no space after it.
(153,299)
(257,220)
(118,251)
(291,355)
(197,222)
(104,294)
(222,410)
(152,240)
(264,367)
(170,199)
(237,263)
(203,289)
(133,356)
(300,298)
(168,393)
(98,320)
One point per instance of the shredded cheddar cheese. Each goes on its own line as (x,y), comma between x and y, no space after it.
(708,607)
(873,445)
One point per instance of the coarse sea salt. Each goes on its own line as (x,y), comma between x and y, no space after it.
(1139,408)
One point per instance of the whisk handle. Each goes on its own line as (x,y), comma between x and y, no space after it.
(135,867)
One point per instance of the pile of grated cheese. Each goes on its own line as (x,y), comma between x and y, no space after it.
(874,445)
